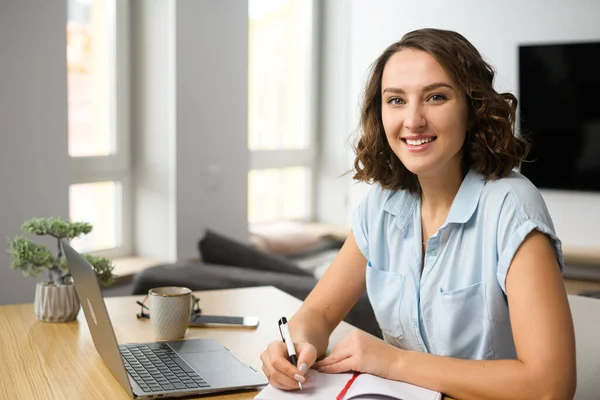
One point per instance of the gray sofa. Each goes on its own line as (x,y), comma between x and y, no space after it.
(225,263)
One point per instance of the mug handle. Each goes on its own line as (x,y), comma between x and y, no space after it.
(194,306)
(142,303)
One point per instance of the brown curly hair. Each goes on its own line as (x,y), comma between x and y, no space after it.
(491,146)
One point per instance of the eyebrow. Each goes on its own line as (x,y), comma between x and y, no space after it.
(425,89)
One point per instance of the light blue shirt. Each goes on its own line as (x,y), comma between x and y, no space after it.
(458,306)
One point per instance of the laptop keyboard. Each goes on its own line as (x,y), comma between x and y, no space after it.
(156,367)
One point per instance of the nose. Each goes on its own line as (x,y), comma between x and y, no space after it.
(415,118)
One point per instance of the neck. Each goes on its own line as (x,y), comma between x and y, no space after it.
(438,190)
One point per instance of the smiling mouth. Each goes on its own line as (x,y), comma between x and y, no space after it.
(419,142)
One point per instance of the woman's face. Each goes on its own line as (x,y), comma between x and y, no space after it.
(424,113)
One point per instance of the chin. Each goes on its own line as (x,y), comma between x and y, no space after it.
(418,168)
(428,165)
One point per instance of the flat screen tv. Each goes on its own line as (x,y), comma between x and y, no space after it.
(559,103)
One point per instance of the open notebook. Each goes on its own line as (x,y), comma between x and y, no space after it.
(364,386)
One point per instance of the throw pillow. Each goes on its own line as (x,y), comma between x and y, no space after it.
(292,238)
(217,249)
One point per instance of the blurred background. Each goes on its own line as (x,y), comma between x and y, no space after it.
(158,119)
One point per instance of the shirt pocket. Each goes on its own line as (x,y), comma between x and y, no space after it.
(385,290)
(462,326)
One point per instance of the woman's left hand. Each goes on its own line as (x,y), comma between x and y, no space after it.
(360,352)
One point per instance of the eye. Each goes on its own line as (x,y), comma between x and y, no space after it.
(437,97)
(395,101)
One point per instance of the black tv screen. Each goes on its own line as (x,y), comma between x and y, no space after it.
(559,102)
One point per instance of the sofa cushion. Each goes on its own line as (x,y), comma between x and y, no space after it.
(200,276)
(215,248)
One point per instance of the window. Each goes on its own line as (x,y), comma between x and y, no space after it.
(281,114)
(97,122)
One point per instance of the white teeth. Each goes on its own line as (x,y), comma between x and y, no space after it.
(419,141)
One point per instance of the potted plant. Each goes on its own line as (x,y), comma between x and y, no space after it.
(56,299)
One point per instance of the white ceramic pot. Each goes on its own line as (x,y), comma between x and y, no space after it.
(56,303)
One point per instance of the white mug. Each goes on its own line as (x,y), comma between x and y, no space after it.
(170,309)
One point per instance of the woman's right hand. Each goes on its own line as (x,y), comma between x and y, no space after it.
(280,372)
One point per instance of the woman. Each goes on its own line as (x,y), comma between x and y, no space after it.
(457,251)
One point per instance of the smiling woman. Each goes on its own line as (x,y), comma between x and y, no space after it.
(453,247)
(458,83)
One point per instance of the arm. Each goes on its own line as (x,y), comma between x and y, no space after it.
(543,334)
(326,305)
(332,298)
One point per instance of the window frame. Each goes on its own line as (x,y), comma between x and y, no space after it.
(309,157)
(118,166)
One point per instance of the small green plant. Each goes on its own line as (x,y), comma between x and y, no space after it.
(31,258)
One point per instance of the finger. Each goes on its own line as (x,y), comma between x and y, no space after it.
(282,381)
(277,378)
(276,366)
(307,355)
(285,367)
(278,354)
(344,365)
(267,373)
(277,348)
(334,357)
(266,363)
(330,359)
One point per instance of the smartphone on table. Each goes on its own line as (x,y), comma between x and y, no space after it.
(200,320)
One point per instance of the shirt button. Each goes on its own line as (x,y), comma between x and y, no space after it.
(432,253)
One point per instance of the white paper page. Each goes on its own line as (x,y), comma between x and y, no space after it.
(321,386)
(369,384)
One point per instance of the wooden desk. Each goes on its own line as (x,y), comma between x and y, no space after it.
(59,361)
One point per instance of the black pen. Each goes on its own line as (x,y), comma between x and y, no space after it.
(286,336)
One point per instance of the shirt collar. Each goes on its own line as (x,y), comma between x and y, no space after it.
(466,200)
(402,203)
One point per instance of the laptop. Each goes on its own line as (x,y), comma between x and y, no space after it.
(158,369)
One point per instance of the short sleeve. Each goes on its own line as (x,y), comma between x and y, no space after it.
(521,214)
(359,222)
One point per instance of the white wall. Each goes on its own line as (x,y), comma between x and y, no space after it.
(495,29)
(190,123)
(153,127)
(335,120)
(34,164)
(212,127)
